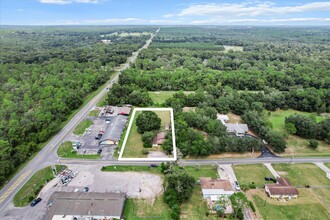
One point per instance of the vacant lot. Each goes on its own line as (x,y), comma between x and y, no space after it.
(81,127)
(159,97)
(277,118)
(65,150)
(247,174)
(136,209)
(297,146)
(134,145)
(233,48)
(202,171)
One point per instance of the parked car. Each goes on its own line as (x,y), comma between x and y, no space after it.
(270,179)
(97,138)
(153,165)
(86,189)
(99,151)
(99,135)
(35,202)
(237,187)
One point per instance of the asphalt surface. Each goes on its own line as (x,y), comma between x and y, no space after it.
(47,156)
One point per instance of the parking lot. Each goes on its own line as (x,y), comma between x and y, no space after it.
(110,125)
(135,185)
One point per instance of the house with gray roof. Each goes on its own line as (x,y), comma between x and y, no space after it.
(238,129)
(82,205)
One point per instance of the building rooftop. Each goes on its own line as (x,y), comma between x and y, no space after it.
(282,187)
(86,204)
(159,139)
(210,183)
(238,128)
(114,129)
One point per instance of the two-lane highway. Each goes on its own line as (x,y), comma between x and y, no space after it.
(48,156)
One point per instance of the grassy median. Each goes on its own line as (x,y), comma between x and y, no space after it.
(33,186)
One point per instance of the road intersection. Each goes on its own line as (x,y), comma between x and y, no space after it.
(48,156)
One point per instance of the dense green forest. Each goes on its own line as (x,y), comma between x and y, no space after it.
(46,73)
(263,69)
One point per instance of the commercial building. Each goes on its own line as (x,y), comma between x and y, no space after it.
(82,205)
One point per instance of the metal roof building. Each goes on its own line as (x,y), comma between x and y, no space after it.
(114,130)
(82,205)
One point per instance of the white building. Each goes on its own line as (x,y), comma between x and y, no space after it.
(214,189)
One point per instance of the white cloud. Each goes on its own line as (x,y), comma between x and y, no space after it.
(250,9)
(114,21)
(164,21)
(258,21)
(20,10)
(64,2)
(169,15)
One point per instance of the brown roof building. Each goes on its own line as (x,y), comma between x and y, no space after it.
(159,139)
(282,189)
(215,188)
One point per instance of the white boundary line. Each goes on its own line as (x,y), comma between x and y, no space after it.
(129,129)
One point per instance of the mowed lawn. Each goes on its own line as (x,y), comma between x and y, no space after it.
(277,118)
(308,174)
(247,174)
(312,203)
(195,208)
(296,145)
(281,210)
(134,145)
(136,209)
(159,97)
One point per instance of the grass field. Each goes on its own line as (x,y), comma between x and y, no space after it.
(327,164)
(94,113)
(308,174)
(233,48)
(277,118)
(33,186)
(312,203)
(65,150)
(155,170)
(202,171)
(136,209)
(246,174)
(159,97)
(296,145)
(134,145)
(81,127)
(285,211)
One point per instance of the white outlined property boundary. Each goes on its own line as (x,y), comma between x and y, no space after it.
(129,129)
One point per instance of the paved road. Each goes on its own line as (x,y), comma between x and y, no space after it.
(47,156)
(199,161)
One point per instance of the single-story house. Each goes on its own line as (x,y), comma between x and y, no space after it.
(213,189)
(223,118)
(238,129)
(82,205)
(282,189)
(159,139)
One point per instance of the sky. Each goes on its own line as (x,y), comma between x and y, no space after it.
(164,12)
